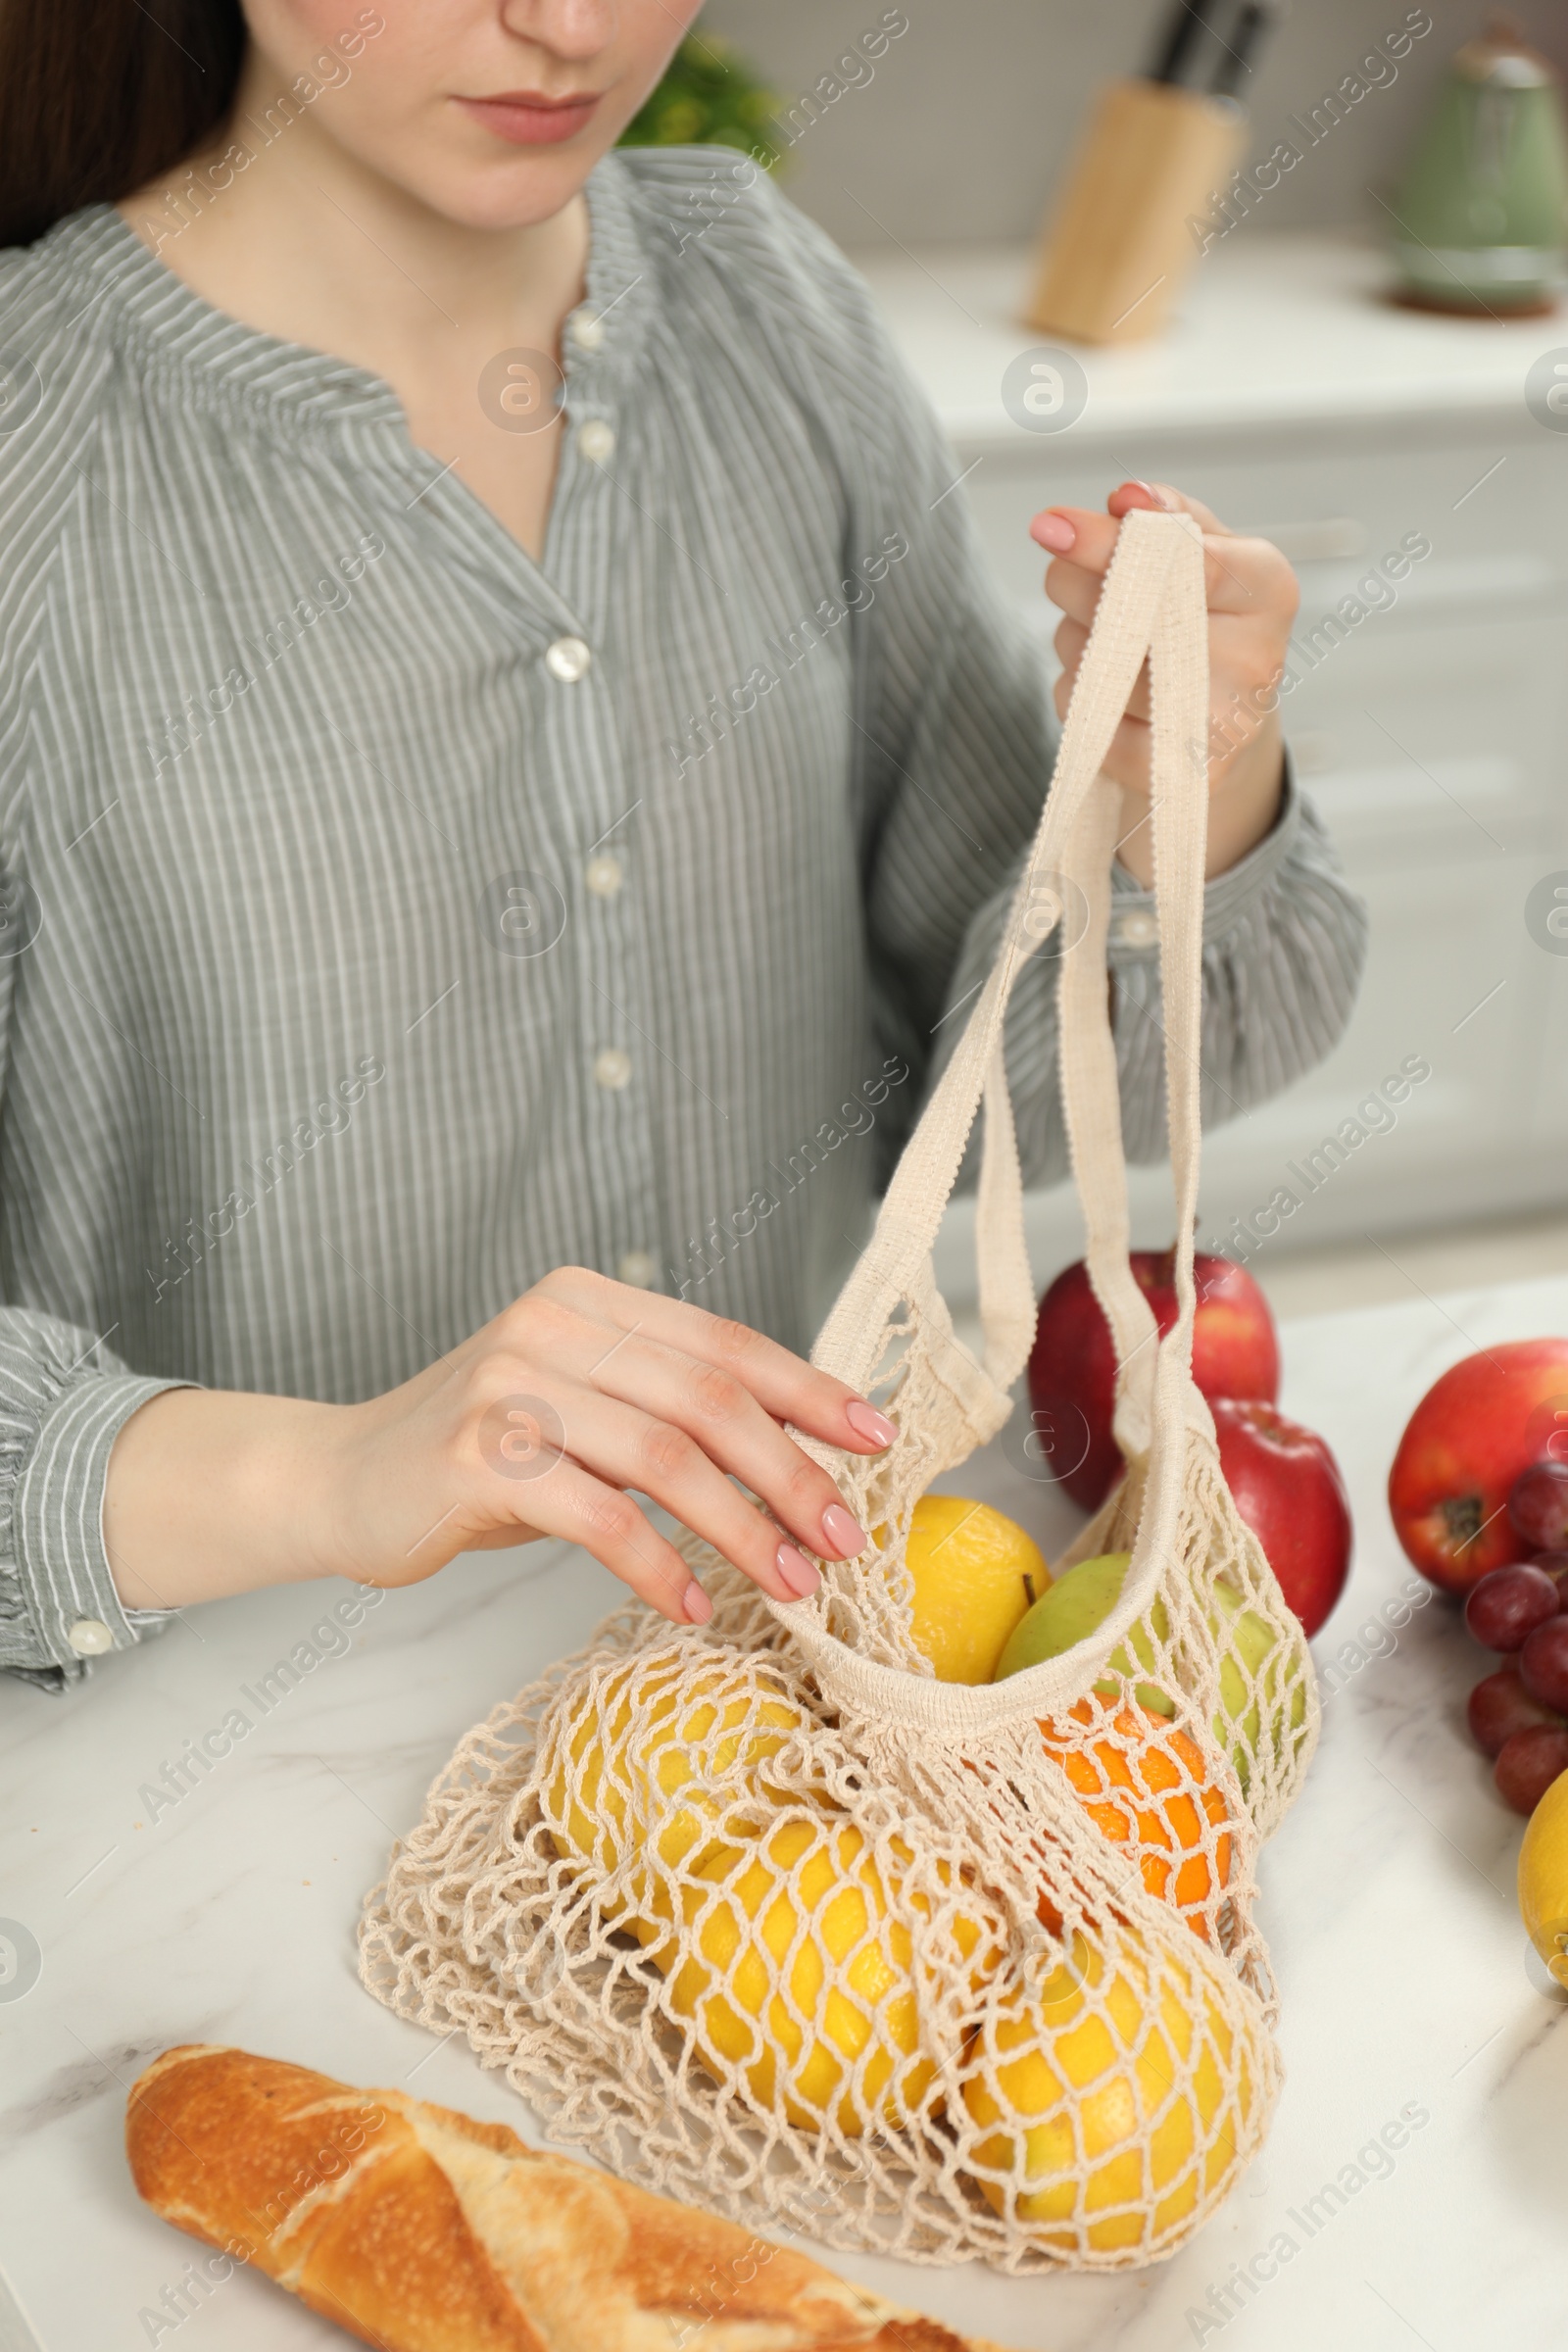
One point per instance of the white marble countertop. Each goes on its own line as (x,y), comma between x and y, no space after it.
(1272,330)
(1387,1901)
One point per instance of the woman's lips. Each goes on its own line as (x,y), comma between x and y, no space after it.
(527,119)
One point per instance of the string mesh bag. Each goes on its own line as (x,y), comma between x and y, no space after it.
(766,1916)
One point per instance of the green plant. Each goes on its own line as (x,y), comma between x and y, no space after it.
(709,97)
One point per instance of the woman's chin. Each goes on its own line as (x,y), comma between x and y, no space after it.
(515,189)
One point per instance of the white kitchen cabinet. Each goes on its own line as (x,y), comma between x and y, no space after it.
(1433,734)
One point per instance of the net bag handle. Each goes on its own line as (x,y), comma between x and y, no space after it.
(1152,602)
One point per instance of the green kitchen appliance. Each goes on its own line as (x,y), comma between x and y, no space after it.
(1482,216)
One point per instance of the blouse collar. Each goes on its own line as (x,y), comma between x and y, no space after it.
(176,332)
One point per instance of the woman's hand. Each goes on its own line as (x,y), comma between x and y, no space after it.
(539,1425)
(1253,597)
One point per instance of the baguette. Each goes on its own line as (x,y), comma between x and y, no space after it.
(421,2230)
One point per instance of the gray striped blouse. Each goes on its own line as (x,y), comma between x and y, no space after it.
(388,918)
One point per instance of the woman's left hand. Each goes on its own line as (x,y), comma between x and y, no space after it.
(1253,597)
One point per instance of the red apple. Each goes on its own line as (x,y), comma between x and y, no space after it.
(1235,1351)
(1287,1487)
(1467,1440)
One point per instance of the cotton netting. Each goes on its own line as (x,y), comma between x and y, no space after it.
(769,1918)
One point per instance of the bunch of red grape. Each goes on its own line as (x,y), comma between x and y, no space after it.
(1519,1715)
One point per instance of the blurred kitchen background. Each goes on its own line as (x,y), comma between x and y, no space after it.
(963,132)
(1296,398)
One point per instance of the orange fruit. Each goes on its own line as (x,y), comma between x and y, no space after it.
(1144,1786)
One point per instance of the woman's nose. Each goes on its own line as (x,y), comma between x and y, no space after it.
(577,29)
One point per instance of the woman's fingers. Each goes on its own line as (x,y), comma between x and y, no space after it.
(789,1388)
(715,1408)
(1089,536)
(571,1502)
(628,1447)
(1245,577)
(1074,590)
(649,1415)
(1130,494)
(1241,576)
(783,1384)
(649,1393)
(718,1417)
(1251,596)
(586,1389)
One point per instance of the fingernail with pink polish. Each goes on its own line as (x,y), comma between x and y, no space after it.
(695,1603)
(869,1423)
(797,1571)
(1054,532)
(842,1535)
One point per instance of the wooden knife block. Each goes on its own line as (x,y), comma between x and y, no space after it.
(1117,245)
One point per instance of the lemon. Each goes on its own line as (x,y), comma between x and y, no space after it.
(630,1745)
(976,1577)
(1123,2099)
(1543,1878)
(802,1977)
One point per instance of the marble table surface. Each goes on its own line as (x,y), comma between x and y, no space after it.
(1387,1901)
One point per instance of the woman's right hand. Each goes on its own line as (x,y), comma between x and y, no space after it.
(539,1425)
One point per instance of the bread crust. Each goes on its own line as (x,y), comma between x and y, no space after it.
(418,2230)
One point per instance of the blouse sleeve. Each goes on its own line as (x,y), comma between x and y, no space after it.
(64,1395)
(63,1400)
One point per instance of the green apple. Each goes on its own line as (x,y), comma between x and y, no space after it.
(1250,1638)
(1076,1607)
(1083,1597)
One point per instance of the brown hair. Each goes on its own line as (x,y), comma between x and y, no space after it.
(98,96)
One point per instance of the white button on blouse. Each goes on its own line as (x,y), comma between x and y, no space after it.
(1138,929)
(567,659)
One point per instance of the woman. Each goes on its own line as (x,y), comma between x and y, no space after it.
(509,764)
